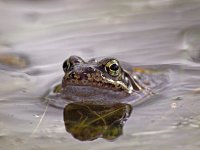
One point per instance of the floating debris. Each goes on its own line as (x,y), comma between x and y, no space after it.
(178,98)
(13,60)
(188,122)
(173,105)
(196,91)
(190,43)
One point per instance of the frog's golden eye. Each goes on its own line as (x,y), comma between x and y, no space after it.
(66,65)
(113,68)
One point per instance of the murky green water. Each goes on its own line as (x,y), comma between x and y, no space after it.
(37,36)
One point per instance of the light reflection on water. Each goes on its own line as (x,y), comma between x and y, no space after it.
(150,32)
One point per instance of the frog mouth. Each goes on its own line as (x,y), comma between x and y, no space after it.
(88,83)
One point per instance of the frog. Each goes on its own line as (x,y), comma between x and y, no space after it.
(105,80)
(97,95)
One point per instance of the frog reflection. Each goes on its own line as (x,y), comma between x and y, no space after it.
(87,122)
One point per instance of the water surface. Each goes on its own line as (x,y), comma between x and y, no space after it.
(40,35)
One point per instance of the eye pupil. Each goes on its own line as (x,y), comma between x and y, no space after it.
(66,65)
(114,67)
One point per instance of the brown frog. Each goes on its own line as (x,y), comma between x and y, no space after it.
(100,80)
(104,81)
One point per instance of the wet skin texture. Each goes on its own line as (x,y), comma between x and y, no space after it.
(97,80)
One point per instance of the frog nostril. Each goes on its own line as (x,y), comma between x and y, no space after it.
(72,75)
(91,69)
(83,76)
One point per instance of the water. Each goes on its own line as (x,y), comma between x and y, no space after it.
(42,34)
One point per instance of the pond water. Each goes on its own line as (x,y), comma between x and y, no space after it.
(37,36)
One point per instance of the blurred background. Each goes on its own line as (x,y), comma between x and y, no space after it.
(36,36)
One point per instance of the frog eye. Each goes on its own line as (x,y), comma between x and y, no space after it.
(113,68)
(66,65)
